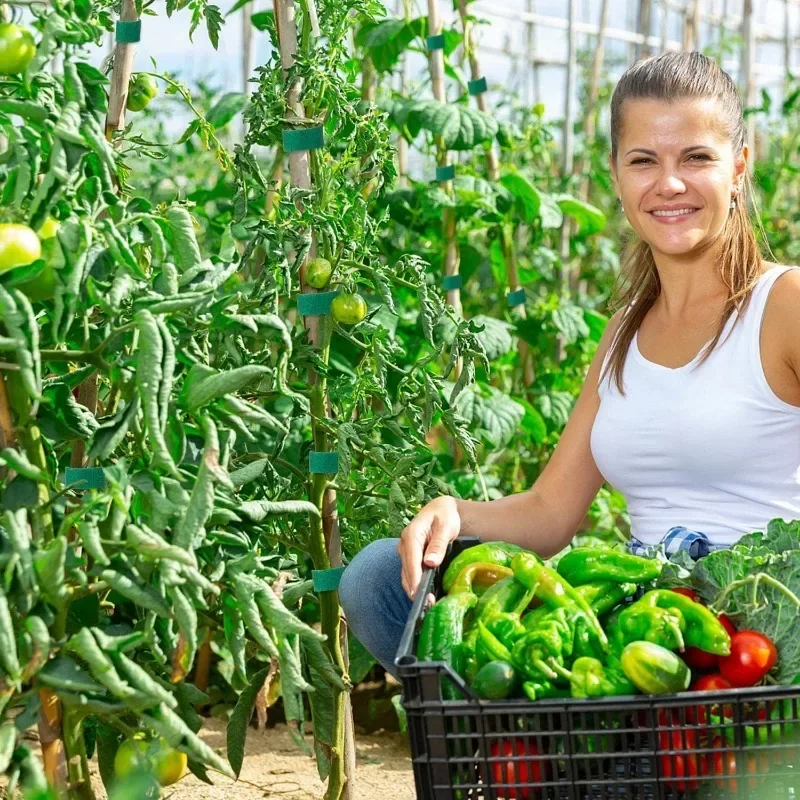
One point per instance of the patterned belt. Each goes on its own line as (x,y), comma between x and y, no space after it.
(695,543)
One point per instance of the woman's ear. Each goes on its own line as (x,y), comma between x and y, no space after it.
(740,167)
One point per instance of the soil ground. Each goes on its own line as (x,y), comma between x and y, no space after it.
(274,767)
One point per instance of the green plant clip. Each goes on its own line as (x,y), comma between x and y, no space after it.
(516,298)
(299,139)
(435,42)
(446,173)
(323,463)
(450,282)
(315,304)
(85,478)
(129,32)
(326,580)
(478,86)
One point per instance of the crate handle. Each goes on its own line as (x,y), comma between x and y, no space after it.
(405,653)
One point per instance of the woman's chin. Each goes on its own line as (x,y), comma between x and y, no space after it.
(677,247)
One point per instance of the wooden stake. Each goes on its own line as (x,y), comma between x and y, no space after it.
(328,553)
(452,256)
(746,78)
(643,48)
(124,53)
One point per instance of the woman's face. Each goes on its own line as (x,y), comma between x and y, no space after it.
(676,172)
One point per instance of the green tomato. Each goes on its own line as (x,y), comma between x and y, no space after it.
(17,48)
(49,228)
(19,245)
(130,756)
(141,92)
(42,286)
(318,272)
(349,309)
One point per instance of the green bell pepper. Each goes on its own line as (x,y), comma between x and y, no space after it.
(586,564)
(498,553)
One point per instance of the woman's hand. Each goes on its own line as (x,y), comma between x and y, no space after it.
(425,540)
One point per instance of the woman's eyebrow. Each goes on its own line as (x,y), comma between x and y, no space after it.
(683,151)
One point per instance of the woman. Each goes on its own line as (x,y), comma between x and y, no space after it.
(705,429)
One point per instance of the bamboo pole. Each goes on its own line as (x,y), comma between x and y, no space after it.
(645,10)
(402,10)
(747,83)
(324,540)
(691,26)
(124,53)
(452,258)
(248,54)
(533,89)
(664,25)
(787,42)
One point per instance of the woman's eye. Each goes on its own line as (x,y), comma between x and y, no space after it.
(640,161)
(700,156)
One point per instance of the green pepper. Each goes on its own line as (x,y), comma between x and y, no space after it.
(551,641)
(539,690)
(589,677)
(478,577)
(506,596)
(489,647)
(654,669)
(442,633)
(703,628)
(647,622)
(673,621)
(554,591)
(499,553)
(586,564)
(603,596)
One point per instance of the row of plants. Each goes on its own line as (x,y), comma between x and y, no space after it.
(151,331)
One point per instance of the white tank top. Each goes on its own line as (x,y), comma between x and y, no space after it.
(712,449)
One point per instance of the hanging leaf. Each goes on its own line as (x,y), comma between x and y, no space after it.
(226,108)
(570,321)
(496,336)
(590,219)
(527,198)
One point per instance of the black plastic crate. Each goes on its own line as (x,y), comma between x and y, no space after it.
(630,748)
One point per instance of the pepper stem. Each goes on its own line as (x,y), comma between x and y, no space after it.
(544,668)
(556,667)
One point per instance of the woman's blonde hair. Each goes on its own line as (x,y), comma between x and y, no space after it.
(669,77)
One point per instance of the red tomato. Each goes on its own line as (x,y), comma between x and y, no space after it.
(752,656)
(510,772)
(698,659)
(708,683)
(690,593)
(680,769)
(727,624)
(723,765)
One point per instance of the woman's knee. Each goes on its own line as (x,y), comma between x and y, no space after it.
(371,570)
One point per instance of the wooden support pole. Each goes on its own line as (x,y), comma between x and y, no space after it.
(124,53)
(746,77)
(533,90)
(451,258)
(324,539)
(645,8)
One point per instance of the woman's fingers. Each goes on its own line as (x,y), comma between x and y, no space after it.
(442,534)
(411,543)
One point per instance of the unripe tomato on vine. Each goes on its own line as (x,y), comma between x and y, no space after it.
(19,246)
(349,309)
(140,92)
(318,272)
(17,48)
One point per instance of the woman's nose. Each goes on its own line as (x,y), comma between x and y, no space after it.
(670,183)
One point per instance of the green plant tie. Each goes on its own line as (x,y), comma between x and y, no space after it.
(450,282)
(85,478)
(299,139)
(323,463)
(446,173)
(478,86)
(326,580)
(435,42)
(129,32)
(516,298)
(315,304)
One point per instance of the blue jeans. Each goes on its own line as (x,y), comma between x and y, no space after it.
(374,602)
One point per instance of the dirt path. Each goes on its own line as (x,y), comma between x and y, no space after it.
(275,768)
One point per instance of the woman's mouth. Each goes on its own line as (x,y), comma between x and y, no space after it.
(672,216)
